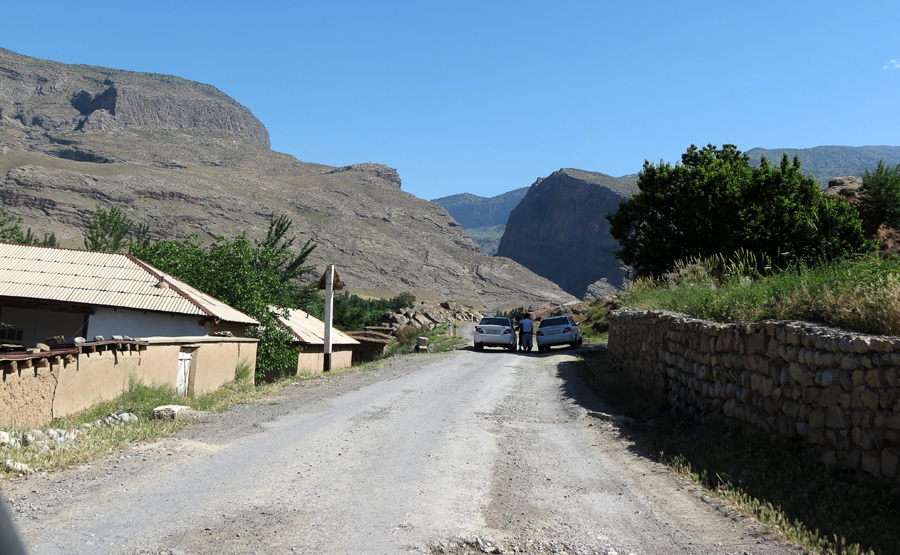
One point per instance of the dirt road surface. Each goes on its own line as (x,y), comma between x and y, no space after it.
(461,452)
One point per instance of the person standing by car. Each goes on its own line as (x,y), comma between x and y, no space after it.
(527,328)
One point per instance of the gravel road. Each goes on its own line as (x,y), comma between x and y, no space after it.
(458,452)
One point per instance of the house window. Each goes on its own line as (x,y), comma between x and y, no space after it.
(10,335)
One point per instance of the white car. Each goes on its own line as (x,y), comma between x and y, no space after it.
(494,331)
(558,330)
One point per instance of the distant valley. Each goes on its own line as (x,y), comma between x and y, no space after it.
(483,218)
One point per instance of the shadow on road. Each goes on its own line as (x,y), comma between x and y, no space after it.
(574,385)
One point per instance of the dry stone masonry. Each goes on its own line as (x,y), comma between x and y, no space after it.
(837,391)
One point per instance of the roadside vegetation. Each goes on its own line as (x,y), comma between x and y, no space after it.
(860,293)
(97,435)
(718,240)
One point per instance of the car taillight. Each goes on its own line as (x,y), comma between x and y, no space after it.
(567,330)
(479,330)
(507,330)
(540,333)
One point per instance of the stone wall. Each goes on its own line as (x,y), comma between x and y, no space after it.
(836,391)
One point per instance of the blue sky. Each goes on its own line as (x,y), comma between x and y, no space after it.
(486,96)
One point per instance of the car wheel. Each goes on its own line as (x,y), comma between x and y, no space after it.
(512,347)
(478,347)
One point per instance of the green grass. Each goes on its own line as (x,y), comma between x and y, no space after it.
(826,511)
(860,294)
(439,340)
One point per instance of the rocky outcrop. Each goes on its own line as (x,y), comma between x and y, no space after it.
(187,160)
(429,315)
(559,230)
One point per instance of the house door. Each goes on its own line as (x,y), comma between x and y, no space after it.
(183,380)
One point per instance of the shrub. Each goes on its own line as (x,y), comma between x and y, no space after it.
(880,195)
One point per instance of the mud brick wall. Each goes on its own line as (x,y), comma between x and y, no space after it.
(836,391)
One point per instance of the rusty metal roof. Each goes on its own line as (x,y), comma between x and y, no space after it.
(309,329)
(102,279)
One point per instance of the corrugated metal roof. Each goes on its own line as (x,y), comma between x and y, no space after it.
(102,279)
(310,329)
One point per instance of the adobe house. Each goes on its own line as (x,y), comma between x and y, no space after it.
(309,334)
(111,317)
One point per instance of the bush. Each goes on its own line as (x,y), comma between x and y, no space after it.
(715,203)
(880,195)
(352,313)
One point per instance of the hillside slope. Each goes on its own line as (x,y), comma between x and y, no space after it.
(187,159)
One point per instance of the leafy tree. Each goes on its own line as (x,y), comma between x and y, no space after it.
(107,230)
(250,277)
(403,300)
(715,202)
(880,195)
(351,312)
(11,231)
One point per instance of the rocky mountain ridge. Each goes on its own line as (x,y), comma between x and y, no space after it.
(187,159)
(559,231)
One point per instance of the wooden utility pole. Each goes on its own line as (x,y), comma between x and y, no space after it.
(329,317)
(329,282)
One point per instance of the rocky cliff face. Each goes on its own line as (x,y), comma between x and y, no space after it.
(187,159)
(50,96)
(559,231)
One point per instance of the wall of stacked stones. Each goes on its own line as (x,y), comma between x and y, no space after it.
(836,391)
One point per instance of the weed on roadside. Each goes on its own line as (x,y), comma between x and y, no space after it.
(832,513)
(439,340)
(92,434)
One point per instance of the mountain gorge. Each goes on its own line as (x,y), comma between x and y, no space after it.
(189,160)
(483,218)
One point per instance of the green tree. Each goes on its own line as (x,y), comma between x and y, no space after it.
(107,230)
(880,195)
(11,231)
(715,202)
(250,277)
(352,312)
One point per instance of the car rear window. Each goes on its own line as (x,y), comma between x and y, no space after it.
(556,321)
(494,322)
